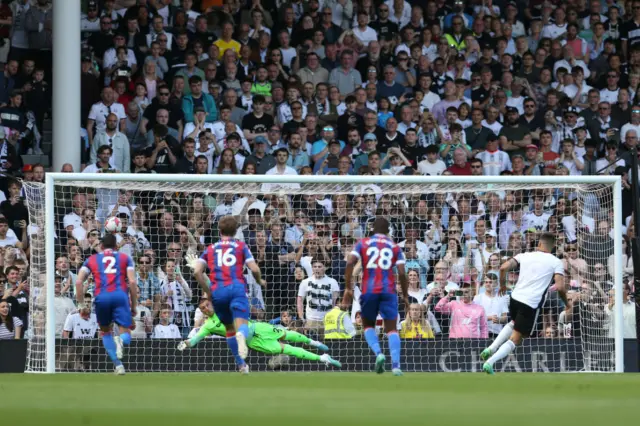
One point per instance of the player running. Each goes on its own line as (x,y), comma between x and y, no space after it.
(227,287)
(114,300)
(537,270)
(378,255)
(266,338)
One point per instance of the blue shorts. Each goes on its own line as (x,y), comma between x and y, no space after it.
(113,307)
(231,302)
(384,303)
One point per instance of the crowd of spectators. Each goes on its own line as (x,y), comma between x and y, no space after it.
(336,87)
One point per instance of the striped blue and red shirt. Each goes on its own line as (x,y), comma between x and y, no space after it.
(109,270)
(225,260)
(378,255)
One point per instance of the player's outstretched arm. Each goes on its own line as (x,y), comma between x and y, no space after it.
(558,280)
(404,283)
(200,276)
(504,270)
(255,270)
(191,262)
(133,289)
(80,279)
(190,343)
(348,281)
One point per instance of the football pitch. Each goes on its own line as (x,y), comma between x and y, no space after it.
(329,399)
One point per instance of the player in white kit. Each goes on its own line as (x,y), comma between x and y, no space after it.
(538,270)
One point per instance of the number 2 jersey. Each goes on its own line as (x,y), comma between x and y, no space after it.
(109,271)
(225,260)
(378,255)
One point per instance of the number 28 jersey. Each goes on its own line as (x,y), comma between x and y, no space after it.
(225,260)
(378,255)
(109,270)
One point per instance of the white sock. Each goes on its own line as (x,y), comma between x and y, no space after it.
(503,336)
(503,352)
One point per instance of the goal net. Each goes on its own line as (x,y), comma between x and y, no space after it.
(455,233)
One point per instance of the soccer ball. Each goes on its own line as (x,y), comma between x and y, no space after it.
(113,225)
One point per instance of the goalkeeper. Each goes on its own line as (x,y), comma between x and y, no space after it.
(265,338)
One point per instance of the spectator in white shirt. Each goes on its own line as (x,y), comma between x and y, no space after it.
(100,111)
(494,161)
(399,12)
(110,58)
(432,166)
(165,329)
(569,159)
(558,27)
(82,324)
(634,124)
(73,219)
(281,168)
(430,98)
(496,307)
(363,31)
(610,93)
(176,294)
(320,292)
(143,321)
(7,236)
(628,314)
(63,306)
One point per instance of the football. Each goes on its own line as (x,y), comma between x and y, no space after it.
(113,225)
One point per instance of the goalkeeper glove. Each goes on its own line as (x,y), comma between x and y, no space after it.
(191,260)
(182,346)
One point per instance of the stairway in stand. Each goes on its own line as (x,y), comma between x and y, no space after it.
(46,145)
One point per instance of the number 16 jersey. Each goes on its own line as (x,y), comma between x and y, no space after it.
(378,255)
(225,260)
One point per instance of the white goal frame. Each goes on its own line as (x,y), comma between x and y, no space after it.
(52,179)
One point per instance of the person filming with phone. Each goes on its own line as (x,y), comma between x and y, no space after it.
(14,210)
(468,320)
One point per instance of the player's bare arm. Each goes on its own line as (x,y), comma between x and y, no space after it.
(255,271)
(558,280)
(504,270)
(404,283)
(198,273)
(348,281)
(133,289)
(80,279)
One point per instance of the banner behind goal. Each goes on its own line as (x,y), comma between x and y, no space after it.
(455,233)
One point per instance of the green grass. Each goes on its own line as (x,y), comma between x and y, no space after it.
(328,399)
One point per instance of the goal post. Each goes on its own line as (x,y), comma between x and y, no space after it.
(44,207)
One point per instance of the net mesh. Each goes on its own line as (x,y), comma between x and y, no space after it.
(451,234)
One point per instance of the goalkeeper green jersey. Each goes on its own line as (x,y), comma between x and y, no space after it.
(265,337)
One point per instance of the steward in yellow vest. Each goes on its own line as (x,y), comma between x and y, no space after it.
(338,325)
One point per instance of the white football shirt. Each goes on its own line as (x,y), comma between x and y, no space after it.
(537,269)
(81,328)
(532,220)
(319,295)
(170,331)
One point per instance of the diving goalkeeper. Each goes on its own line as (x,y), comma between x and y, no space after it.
(265,338)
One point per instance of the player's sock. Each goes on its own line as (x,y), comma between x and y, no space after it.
(372,340)
(126,338)
(502,352)
(244,329)
(300,353)
(503,336)
(233,346)
(110,346)
(295,337)
(394,348)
